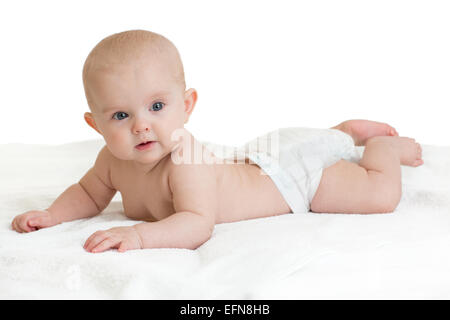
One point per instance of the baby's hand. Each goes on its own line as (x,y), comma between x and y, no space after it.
(33,220)
(122,238)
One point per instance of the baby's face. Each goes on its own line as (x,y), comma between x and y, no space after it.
(134,104)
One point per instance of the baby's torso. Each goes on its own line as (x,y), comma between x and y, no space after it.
(245,193)
(144,197)
(242,193)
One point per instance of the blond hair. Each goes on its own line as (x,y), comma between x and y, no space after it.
(123,47)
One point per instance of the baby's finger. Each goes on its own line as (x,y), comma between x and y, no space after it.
(105,245)
(22,224)
(21,221)
(124,247)
(34,222)
(17,225)
(39,222)
(14,226)
(94,240)
(88,240)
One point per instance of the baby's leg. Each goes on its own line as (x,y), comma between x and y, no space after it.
(362,130)
(373,185)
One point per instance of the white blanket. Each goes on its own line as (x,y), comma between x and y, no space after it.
(318,256)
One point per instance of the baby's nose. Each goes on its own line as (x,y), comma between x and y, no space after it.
(139,130)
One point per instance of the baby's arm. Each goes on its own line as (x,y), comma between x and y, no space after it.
(87,198)
(195,200)
(90,196)
(194,192)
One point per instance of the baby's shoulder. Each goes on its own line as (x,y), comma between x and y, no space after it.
(190,173)
(104,157)
(102,166)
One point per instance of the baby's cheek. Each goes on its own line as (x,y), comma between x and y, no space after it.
(120,146)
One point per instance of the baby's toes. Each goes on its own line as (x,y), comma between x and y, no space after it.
(417,162)
(391,131)
(418,149)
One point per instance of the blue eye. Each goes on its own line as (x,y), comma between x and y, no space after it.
(157,106)
(120,115)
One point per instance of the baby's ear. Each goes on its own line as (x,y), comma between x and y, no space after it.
(190,98)
(90,121)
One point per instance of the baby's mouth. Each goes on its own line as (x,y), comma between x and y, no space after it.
(144,144)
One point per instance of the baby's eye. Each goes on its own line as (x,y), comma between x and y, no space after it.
(157,106)
(119,115)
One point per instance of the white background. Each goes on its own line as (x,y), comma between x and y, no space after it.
(257,65)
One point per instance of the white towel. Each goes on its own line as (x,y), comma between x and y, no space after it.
(319,256)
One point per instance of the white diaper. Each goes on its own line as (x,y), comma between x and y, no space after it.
(294,158)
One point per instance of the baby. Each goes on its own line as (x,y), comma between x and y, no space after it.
(136,92)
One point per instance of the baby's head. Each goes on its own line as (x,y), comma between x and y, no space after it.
(135,88)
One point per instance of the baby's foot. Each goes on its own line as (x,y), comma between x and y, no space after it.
(409,151)
(361,130)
